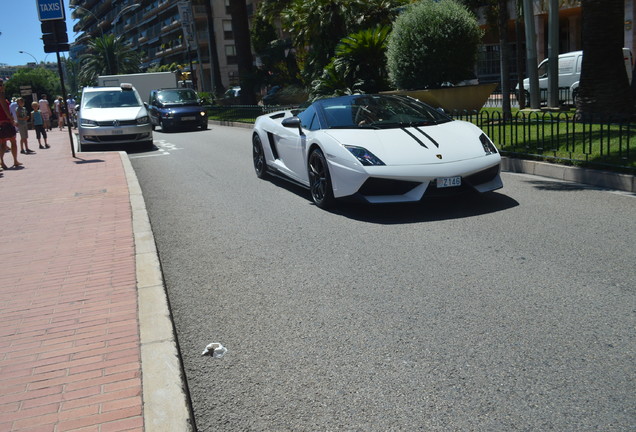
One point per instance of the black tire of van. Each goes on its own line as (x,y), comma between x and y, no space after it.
(575,95)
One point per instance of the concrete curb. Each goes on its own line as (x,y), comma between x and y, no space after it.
(598,178)
(165,401)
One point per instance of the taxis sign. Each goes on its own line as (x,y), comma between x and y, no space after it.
(50,10)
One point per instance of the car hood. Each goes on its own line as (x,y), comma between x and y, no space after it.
(447,142)
(106,114)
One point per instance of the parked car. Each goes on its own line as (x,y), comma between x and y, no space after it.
(175,108)
(569,75)
(113,116)
(271,98)
(375,148)
(232,96)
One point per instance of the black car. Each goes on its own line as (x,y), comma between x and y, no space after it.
(176,108)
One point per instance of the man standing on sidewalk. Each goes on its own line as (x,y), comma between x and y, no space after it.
(7,130)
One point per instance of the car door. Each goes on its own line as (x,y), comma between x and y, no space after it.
(153,111)
(292,146)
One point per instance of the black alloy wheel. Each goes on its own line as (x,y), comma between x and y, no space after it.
(258,156)
(320,180)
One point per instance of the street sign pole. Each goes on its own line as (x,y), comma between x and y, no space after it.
(52,17)
(69,124)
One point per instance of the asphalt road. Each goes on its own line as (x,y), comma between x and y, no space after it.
(509,312)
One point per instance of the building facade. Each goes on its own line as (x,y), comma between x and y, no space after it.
(196,34)
(570,27)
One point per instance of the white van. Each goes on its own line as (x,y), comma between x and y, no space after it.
(569,75)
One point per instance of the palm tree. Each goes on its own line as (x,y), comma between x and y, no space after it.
(108,55)
(359,63)
(604,88)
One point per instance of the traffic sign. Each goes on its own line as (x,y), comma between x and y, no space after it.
(50,10)
(54,36)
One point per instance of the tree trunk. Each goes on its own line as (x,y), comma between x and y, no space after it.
(604,88)
(215,71)
(504,60)
(240,27)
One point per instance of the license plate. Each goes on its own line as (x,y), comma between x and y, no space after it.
(190,118)
(117,132)
(444,182)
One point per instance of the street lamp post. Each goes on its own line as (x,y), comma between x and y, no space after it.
(34,59)
(121,12)
(93,15)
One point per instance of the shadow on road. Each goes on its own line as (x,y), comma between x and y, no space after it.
(428,210)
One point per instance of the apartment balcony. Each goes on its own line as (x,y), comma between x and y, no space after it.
(104,8)
(162,6)
(173,25)
(199,13)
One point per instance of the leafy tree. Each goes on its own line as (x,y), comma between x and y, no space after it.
(433,43)
(278,62)
(40,79)
(316,26)
(358,65)
(108,55)
(72,80)
(604,88)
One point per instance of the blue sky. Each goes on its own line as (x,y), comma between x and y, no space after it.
(20,28)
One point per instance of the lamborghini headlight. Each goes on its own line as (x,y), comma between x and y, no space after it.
(364,156)
(489,147)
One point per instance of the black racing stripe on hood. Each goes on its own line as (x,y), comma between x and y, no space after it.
(427,136)
(414,137)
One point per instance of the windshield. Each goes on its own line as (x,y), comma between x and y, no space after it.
(177,96)
(379,111)
(110,99)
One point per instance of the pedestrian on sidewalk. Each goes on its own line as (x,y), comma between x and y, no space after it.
(13,108)
(45,109)
(70,105)
(59,112)
(7,131)
(23,127)
(38,124)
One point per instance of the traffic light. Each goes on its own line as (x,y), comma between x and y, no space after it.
(54,36)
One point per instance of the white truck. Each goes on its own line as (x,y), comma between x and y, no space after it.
(143,82)
(570,75)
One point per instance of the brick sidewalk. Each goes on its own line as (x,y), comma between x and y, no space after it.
(69,333)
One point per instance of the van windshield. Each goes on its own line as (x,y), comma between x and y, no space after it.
(110,99)
(543,69)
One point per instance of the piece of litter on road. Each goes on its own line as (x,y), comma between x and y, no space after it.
(215,350)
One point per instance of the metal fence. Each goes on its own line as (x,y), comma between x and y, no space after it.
(552,136)
(241,113)
(495,99)
(558,136)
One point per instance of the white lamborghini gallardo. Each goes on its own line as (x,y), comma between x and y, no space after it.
(376,148)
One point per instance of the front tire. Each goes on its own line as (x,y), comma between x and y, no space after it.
(258,156)
(320,180)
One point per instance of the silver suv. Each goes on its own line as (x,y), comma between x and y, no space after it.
(113,116)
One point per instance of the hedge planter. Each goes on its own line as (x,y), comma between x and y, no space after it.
(471,97)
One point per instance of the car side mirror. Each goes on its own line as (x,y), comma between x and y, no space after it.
(292,122)
(146,105)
